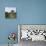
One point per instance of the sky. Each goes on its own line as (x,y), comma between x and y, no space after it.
(8,9)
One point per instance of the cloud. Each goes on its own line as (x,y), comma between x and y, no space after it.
(8,9)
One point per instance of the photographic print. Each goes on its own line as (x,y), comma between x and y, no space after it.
(30,35)
(10,12)
(33,32)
